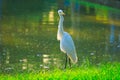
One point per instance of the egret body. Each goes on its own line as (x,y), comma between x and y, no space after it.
(66,43)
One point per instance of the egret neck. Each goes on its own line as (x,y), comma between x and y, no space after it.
(60,28)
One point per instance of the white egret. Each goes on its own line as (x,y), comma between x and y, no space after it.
(66,43)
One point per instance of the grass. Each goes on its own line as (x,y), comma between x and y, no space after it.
(110,71)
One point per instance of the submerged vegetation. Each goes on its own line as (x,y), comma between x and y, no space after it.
(102,72)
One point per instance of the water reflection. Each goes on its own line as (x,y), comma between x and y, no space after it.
(112,35)
(24,65)
(48,18)
(102,15)
(46,59)
(0,9)
(28,40)
(7,57)
(51,17)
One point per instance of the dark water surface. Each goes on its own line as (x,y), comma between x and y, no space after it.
(28,34)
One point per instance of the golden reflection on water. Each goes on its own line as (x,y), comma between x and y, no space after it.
(102,17)
(48,18)
(51,17)
(46,59)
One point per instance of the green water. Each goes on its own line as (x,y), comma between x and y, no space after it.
(28,33)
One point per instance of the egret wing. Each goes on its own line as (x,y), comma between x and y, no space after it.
(67,46)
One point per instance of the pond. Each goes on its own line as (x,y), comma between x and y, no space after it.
(28,33)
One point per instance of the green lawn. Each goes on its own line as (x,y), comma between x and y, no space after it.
(103,72)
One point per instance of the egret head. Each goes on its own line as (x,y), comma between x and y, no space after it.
(60,12)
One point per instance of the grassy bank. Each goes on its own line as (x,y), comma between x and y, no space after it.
(102,72)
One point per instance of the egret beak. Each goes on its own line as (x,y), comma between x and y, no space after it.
(63,13)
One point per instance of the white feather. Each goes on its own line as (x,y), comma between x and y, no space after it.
(66,43)
(67,46)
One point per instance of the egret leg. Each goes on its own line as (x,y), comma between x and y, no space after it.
(66,61)
(69,62)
